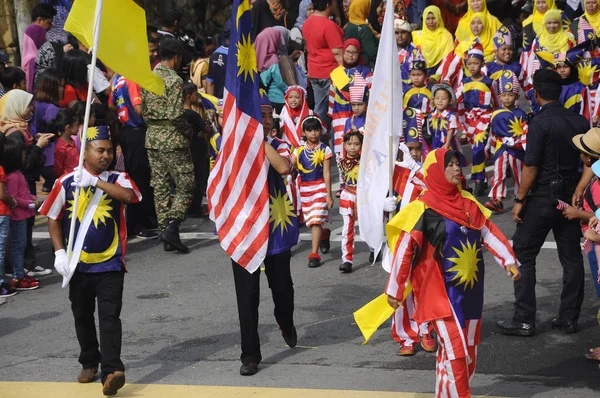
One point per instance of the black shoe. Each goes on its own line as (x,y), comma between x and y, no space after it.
(565,326)
(249,369)
(372,257)
(325,244)
(314,262)
(171,236)
(168,247)
(346,267)
(147,234)
(291,339)
(514,328)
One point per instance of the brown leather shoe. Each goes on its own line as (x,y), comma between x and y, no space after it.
(87,375)
(113,382)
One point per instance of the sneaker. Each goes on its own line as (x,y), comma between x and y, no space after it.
(407,350)
(39,271)
(515,328)
(495,205)
(314,260)
(27,283)
(7,292)
(147,234)
(428,343)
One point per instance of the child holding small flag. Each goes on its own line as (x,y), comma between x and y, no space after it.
(349,167)
(313,160)
(508,131)
(476,100)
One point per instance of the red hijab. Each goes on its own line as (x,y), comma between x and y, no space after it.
(355,43)
(447,199)
(292,132)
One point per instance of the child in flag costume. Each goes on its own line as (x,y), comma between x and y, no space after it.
(508,131)
(359,100)
(408,185)
(339,97)
(503,49)
(313,160)
(437,252)
(476,100)
(98,263)
(349,168)
(442,123)
(418,95)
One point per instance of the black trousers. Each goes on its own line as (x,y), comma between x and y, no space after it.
(107,289)
(198,150)
(133,145)
(247,290)
(540,216)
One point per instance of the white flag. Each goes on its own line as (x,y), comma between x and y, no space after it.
(382,135)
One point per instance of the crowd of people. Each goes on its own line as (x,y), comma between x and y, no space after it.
(519,88)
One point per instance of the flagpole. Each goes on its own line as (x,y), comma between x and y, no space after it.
(88,107)
(394,52)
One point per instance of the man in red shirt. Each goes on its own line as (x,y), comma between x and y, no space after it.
(324,42)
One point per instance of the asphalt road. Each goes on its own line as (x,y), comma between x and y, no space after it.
(180,327)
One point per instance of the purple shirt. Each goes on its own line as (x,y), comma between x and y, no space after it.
(44,113)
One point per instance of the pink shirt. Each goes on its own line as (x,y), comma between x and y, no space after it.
(16,186)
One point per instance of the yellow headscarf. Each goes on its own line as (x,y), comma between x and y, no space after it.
(485,38)
(594,19)
(434,44)
(537,18)
(554,42)
(359,12)
(463,31)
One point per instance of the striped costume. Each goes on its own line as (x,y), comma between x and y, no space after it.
(509,132)
(349,169)
(438,126)
(494,70)
(355,122)
(313,191)
(476,100)
(443,262)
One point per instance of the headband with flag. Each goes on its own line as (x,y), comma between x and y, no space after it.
(418,63)
(412,125)
(358,89)
(98,133)
(502,38)
(475,51)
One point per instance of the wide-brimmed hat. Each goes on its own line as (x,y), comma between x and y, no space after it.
(589,143)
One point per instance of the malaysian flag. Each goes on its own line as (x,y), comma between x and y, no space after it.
(238,196)
(585,31)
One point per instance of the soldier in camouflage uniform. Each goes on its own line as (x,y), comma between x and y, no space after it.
(167,142)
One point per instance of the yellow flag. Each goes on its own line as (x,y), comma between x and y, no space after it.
(123,43)
(371,316)
(339,78)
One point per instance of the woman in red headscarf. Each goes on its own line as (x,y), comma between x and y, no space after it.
(437,245)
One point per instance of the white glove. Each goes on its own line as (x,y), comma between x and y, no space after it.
(85,180)
(389,204)
(508,141)
(407,161)
(61,263)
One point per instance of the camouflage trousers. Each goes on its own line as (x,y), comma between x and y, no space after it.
(171,166)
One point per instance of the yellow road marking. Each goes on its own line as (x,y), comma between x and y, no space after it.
(94,390)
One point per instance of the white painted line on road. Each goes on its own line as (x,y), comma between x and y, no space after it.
(305,237)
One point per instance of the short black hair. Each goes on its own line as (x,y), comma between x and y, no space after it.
(63,118)
(353,133)
(321,5)
(189,88)
(149,31)
(11,76)
(79,111)
(72,40)
(312,124)
(44,11)
(170,17)
(548,84)
(13,160)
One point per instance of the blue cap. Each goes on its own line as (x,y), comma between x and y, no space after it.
(98,133)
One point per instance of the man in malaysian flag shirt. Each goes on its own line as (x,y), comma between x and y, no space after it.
(99,244)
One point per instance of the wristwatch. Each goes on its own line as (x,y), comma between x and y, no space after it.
(517,200)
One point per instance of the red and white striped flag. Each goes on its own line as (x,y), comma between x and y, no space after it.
(238,196)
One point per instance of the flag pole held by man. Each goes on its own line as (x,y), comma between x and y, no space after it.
(248,201)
